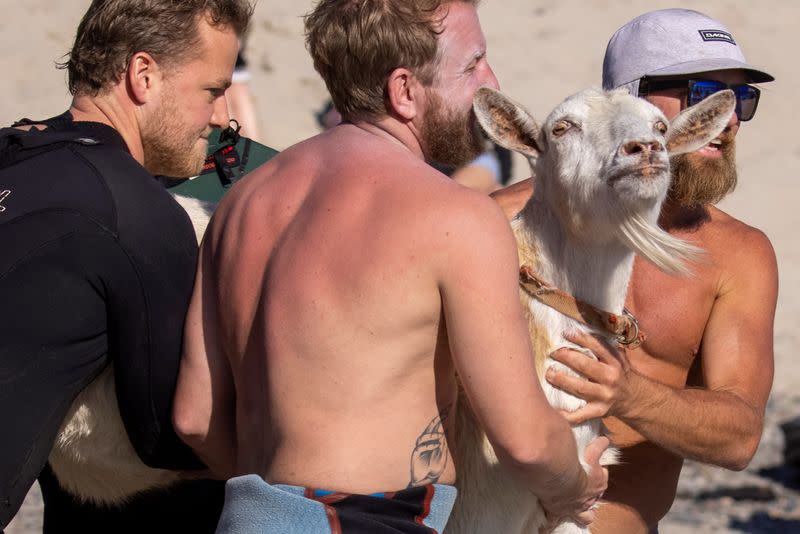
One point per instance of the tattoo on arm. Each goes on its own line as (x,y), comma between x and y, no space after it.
(429,458)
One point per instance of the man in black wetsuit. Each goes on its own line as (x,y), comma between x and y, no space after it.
(98,260)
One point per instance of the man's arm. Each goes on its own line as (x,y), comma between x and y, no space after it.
(49,352)
(491,350)
(148,283)
(204,413)
(720,424)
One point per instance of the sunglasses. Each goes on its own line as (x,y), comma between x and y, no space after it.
(746,95)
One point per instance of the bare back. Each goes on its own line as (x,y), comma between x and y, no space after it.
(329,314)
(315,349)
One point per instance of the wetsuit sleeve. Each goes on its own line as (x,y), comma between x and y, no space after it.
(53,332)
(147,295)
(147,305)
(73,299)
(96,266)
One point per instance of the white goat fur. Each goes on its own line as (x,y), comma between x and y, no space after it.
(92,456)
(601,173)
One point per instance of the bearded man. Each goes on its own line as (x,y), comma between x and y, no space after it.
(98,259)
(697,387)
(342,284)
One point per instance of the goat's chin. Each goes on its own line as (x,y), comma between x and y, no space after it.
(668,253)
(641,185)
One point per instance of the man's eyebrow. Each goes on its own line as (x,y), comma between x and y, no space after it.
(475,57)
(222,82)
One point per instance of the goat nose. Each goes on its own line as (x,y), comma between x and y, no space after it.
(640,147)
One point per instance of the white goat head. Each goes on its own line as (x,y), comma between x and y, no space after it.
(601,161)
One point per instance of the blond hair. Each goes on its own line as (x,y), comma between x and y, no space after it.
(356,44)
(112,31)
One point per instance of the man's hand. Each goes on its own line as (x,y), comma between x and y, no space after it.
(606,384)
(581,510)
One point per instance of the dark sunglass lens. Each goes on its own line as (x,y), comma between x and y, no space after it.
(745,109)
(746,96)
(746,101)
(701,90)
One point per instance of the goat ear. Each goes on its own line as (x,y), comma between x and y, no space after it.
(696,126)
(506,122)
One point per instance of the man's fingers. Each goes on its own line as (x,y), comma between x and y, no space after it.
(595,449)
(577,361)
(583,339)
(577,386)
(601,348)
(596,395)
(581,415)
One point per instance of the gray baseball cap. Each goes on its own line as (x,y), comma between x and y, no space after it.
(671,42)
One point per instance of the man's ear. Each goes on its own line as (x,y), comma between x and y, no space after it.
(403,92)
(143,77)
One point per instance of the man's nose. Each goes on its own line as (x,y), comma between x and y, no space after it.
(734,120)
(219,115)
(491,79)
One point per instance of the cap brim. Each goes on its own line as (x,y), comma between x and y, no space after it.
(706,65)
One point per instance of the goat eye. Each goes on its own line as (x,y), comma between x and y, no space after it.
(661,127)
(561,127)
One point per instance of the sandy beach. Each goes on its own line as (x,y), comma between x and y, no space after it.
(541,51)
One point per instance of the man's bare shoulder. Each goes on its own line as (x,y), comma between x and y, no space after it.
(268,193)
(435,216)
(742,253)
(467,213)
(404,186)
(731,237)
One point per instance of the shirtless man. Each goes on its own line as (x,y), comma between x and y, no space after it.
(343,284)
(697,388)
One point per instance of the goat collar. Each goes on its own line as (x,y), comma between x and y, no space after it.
(624,328)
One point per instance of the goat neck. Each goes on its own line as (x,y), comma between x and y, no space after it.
(596,273)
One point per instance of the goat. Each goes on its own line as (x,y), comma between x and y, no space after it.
(601,172)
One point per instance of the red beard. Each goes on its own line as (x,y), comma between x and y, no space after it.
(699,180)
(448,137)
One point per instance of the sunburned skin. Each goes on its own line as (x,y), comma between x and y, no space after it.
(370,362)
(342,286)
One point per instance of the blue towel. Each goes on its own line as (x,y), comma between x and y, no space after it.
(253,506)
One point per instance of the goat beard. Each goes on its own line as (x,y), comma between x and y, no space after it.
(449,137)
(648,240)
(698,180)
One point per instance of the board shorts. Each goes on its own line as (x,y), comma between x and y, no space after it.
(254,506)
